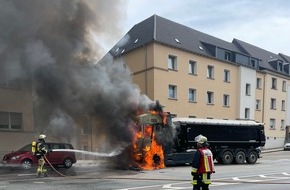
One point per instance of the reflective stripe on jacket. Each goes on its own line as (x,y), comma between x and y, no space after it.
(206,161)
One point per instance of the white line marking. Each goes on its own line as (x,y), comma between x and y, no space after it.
(25,174)
(38,182)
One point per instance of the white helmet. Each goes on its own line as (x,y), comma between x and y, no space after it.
(200,139)
(42,136)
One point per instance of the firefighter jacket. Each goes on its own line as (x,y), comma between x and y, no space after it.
(41,149)
(203,161)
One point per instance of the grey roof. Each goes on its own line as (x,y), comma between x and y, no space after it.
(164,31)
(263,55)
(170,33)
(285,57)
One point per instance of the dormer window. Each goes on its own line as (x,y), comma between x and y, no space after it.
(253,63)
(280,66)
(228,56)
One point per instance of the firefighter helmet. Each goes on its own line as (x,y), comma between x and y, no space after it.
(42,136)
(201,139)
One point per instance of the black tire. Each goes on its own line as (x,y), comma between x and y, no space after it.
(252,158)
(227,157)
(26,164)
(67,163)
(240,157)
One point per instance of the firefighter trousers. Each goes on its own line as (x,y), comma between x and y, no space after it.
(41,170)
(202,181)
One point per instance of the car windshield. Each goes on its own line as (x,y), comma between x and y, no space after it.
(25,148)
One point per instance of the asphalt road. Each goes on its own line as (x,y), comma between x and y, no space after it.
(270,172)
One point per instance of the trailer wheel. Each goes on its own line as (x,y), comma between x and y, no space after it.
(252,158)
(227,157)
(240,157)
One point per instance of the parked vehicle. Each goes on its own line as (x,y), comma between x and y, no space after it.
(25,158)
(231,141)
(287,146)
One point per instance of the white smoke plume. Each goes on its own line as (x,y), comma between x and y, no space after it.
(53,46)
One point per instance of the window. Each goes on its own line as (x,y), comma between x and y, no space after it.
(282,124)
(210,71)
(172,62)
(259,83)
(10,121)
(283,105)
(280,66)
(284,86)
(274,83)
(258,104)
(226,75)
(228,56)
(192,95)
(226,100)
(172,91)
(248,89)
(192,67)
(272,123)
(273,103)
(247,113)
(210,98)
(253,63)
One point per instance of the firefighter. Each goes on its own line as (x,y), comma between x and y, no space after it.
(202,165)
(40,152)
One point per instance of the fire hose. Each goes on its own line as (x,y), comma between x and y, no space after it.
(53,167)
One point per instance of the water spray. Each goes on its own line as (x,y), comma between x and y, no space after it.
(99,154)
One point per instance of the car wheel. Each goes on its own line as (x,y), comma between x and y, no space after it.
(67,163)
(26,164)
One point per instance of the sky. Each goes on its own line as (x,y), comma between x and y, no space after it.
(263,23)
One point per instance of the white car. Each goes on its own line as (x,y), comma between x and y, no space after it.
(287,146)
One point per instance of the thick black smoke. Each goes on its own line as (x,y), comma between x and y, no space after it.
(53,46)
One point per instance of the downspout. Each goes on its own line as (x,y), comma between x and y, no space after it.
(263,110)
(145,65)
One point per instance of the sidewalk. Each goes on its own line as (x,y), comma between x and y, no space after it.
(271,150)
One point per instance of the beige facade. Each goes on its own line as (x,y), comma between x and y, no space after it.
(17,126)
(149,67)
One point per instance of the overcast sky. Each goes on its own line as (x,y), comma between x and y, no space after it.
(263,23)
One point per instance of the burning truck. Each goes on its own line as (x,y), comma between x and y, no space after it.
(153,131)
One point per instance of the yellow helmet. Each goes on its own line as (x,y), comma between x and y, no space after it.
(200,139)
(42,136)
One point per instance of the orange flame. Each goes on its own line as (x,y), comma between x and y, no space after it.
(147,153)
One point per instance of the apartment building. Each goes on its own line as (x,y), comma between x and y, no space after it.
(197,75)
(16,114)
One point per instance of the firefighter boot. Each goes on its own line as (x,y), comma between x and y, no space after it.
(39,172)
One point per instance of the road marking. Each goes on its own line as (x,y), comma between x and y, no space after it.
(25,175)
(284,173)
(168,187)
